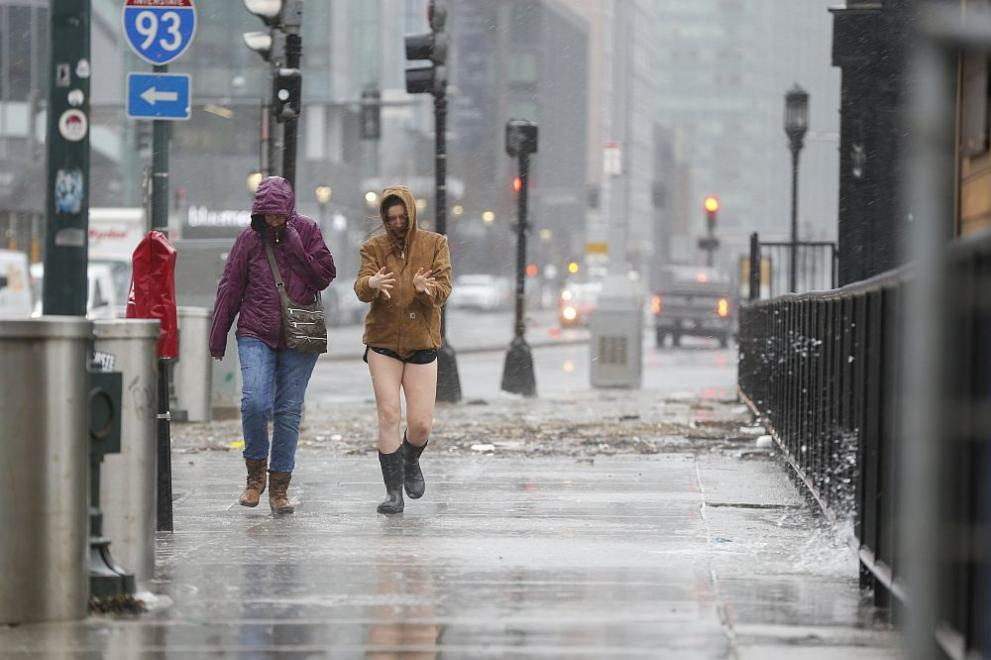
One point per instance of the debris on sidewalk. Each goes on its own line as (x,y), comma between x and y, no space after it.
(590,423)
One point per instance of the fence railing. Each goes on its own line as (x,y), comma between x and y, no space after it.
(825,372)
(815,267)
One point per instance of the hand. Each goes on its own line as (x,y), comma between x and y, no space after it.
(382,281)
(423,283)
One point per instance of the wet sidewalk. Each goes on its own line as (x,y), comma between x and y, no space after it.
(683,545)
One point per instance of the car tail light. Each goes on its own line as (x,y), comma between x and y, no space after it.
(656,303)
(722,307)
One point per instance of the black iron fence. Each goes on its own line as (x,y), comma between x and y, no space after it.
(824,371)
(815,267)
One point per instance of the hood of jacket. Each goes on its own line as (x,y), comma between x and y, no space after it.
(403,193)
(274,196)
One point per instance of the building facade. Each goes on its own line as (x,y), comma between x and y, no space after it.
(517,59)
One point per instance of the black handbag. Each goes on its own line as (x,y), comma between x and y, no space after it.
(304,325)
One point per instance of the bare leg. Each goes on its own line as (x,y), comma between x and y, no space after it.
(420,388)
(387,374)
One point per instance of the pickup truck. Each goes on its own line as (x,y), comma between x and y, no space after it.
(696,301)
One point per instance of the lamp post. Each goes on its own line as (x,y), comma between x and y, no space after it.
(323,194)
(517,374)
(796,124)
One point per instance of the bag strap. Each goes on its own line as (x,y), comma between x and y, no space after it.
(275,267)
(279,284)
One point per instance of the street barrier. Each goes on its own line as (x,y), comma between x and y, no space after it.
(128,482)
(44,458)
(191,373)
(616,336)
(826,373)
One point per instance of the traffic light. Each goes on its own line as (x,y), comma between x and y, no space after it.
(371,114)
(521,137)
(286,92)
(430,46)
(517,184)
(711,205)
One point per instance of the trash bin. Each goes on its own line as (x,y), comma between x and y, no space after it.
(129,480)
(616,336)
(192,372)
(226,383)
(44,458)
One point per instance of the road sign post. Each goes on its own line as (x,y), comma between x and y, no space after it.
(159,31)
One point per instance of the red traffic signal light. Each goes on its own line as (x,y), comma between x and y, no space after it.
(531,270)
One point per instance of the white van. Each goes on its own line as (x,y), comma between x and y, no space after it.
(106,297)
(15,285)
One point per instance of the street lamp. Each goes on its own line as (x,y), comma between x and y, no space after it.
(796,124)
(323,194)
(253,180)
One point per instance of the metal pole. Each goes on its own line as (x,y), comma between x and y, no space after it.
(521,228)
(160,222)
(67,204)
(448,382)
(795,148)
(930,193)
(294,52)
(160,170)
(517,374)
(755,266)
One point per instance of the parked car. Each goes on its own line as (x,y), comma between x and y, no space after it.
(487,293)
(15,285)
(342,307)
(577,302)
(105,286)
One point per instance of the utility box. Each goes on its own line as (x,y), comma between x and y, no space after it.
(616,336)
(192,372)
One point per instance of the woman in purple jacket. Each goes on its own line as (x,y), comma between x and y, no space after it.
(274,377)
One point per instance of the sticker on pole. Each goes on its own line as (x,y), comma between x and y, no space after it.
(73,124)
(159,31)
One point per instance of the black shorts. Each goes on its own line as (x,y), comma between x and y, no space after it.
(424,356)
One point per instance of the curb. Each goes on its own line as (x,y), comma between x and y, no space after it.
(491,348)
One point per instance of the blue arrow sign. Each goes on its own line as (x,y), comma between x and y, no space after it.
(159,30)
(158,95)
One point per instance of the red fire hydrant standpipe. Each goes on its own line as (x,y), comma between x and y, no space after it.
(152,296)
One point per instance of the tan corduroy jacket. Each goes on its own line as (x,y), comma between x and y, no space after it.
(408,321)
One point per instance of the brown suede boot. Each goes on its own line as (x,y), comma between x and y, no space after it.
(256,481)
(278,498)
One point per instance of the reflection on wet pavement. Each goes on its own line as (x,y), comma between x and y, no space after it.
(629,556)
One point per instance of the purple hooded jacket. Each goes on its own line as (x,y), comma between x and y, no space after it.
(247,287)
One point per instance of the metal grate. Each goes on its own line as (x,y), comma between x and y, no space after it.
(612,350)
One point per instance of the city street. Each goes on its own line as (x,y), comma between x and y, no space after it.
(582,523)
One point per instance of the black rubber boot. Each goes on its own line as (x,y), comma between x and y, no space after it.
(392,475)
(414,476)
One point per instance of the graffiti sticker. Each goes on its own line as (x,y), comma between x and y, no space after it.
(73,124)
(63,75)
(68,191)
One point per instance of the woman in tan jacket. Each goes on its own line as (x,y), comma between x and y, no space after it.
(405,274)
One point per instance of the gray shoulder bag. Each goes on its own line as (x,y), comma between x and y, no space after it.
(304,325)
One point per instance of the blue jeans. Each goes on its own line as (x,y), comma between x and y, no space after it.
(273,385)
